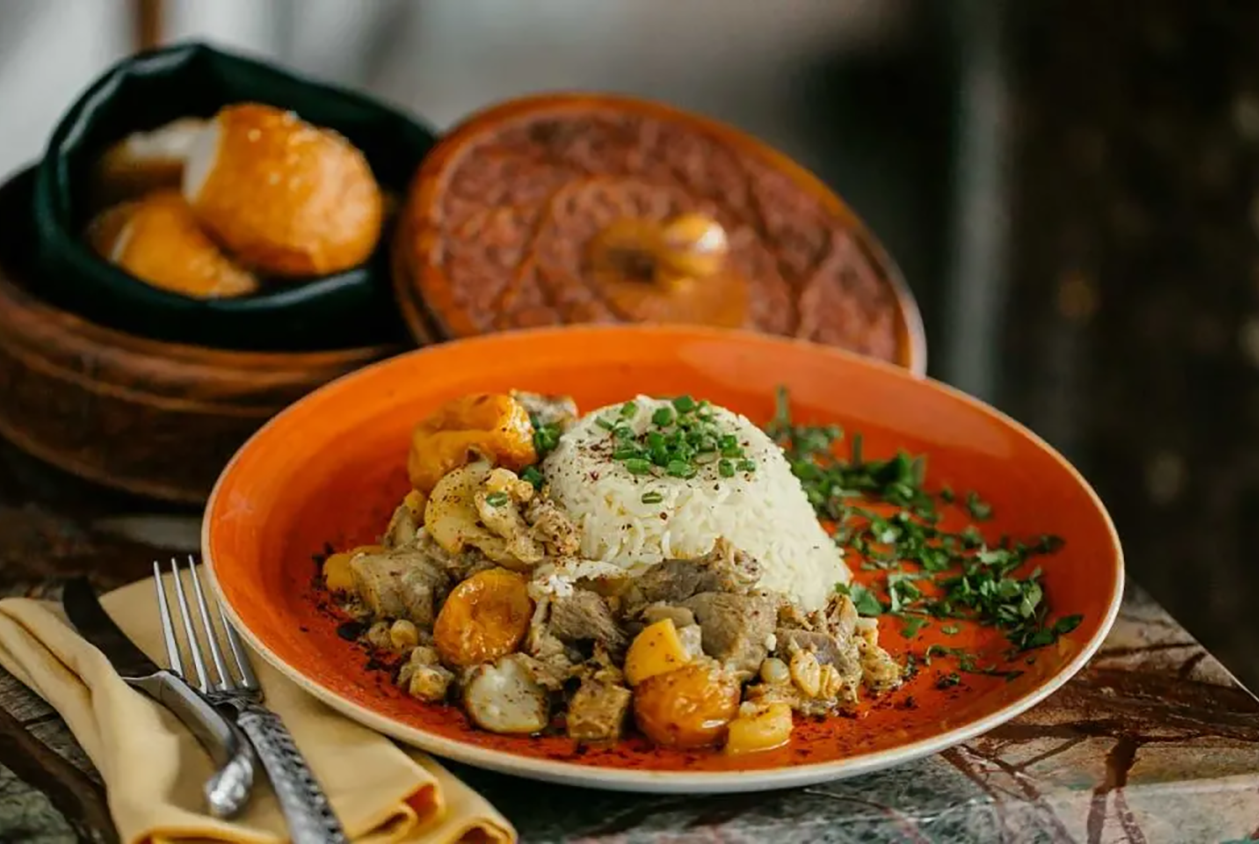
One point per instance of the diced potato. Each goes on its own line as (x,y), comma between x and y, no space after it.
(429,683)
(424,677)
(597,711)
(687,707)
(492,426)
(484,618)
(656,650)
(336,572)
(759,727)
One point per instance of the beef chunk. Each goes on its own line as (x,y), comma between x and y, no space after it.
(584,616)
(724,569)
(400,584)
(736,628)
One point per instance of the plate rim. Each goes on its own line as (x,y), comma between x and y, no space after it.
(653,781)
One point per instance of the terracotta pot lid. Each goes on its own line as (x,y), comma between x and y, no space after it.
(593,208)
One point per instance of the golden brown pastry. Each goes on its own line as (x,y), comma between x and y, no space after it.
(157,240)
(284,197)
(146,161)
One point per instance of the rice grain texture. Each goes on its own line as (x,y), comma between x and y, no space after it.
(764,513)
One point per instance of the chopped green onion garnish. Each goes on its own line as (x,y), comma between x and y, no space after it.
(680,469)
(679,441)
(496,499)
(638,466)
(545,439)
(652,497)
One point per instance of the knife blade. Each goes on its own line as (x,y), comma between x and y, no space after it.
(228,790)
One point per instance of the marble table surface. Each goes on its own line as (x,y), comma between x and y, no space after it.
(1154,741)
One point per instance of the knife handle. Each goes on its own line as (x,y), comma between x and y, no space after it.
(306,809)
(227,791)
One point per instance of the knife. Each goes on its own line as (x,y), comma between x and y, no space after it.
(227,791)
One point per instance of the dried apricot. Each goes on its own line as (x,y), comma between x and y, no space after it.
(484,618)
(492,426)
(686,707)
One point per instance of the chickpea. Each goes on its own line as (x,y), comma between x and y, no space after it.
(774,671)
(403,635)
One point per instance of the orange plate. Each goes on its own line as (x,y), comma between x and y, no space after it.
(328,471)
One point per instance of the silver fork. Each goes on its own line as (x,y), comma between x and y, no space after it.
(305,806)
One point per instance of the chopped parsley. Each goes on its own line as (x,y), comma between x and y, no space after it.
(884,511)
(862,598)
(913,624)
(977,507)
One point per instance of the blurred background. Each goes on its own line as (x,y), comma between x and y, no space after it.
(1070,188)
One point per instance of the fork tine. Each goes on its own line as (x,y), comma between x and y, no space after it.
(168,629)
(194,644)
(226,681)
(248,678)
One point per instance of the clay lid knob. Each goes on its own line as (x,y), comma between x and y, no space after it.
(692,246)
(672,270)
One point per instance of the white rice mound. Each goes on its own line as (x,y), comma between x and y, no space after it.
(764,513)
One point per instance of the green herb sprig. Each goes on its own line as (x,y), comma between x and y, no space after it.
(924,571)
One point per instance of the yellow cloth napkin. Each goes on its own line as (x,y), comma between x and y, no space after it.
(154,769)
